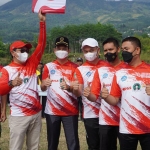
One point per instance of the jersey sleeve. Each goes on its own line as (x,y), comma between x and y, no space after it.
(37,54)
(73,68)
(96,84)
(115,89)
(45,73)
(79,76)
(4,79)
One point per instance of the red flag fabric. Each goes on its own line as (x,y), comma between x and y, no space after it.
(49,6)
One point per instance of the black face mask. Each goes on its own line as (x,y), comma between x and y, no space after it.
(127,56)
(110,56)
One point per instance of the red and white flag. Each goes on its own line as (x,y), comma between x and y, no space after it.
(49,6)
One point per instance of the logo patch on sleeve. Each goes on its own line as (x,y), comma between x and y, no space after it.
(26,80)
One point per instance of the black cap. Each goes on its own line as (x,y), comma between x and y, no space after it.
(62,41)
(79,59)
(41,62)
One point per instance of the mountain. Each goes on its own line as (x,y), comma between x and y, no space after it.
(18,22)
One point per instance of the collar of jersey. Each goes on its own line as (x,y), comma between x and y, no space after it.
(87,63)
(118,65)
(56,62)
(16,64)
(143,63)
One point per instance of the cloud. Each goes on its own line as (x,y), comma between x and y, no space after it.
(2,2)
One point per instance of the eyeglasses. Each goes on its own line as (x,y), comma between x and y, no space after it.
(22,50)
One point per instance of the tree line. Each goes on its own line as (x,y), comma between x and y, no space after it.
(76,34)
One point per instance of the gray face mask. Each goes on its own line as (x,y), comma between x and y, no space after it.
(90,56)
(61,54)
(22,56)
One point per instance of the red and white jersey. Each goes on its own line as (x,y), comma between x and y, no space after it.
(108,114)
(24,99)
(84,75)
(129,84)
(60,102)
(0,76)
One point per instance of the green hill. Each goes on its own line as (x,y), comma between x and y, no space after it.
(18,22)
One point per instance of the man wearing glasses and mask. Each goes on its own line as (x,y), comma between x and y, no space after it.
(20,81)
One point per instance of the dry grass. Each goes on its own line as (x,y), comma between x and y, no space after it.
(4,141)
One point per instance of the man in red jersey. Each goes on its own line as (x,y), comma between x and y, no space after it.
(90,49)
(0,107)
(20,81)
(135,103)
(61,105)
(0,96)
(108,115)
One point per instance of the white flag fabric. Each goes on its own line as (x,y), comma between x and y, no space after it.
(49,6)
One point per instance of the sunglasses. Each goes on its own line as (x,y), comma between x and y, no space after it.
(22,50)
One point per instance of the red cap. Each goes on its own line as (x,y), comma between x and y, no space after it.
(19,44)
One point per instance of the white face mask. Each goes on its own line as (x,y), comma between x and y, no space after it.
(22,57)
(90,56)
(61,54)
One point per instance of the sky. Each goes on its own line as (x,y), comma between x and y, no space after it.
(3,2)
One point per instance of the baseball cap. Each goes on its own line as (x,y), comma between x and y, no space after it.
(79,59)
(20,44)
(62,41)
(41,62)
(90,42)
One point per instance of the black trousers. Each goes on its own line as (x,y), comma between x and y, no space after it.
(108,137)
(44,98)
(92,131)
(70,124)
(80,104)
(130,141)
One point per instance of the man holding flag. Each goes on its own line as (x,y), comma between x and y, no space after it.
(20,81)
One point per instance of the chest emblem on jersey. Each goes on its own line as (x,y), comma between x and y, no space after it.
(26,80)
(0,74)
(105,75)
(88,74)
(53,71)
(136,87)
(124,78)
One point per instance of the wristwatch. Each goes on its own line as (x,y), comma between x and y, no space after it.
(10,83)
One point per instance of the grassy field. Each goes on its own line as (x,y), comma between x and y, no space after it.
(4,141)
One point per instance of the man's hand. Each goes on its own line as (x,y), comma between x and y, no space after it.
(3,108)
(42,16)
(47,82)
(148,89)
(17,81)
(104,92)
(87,90)
(3,116)
(63,84)
(75,83)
